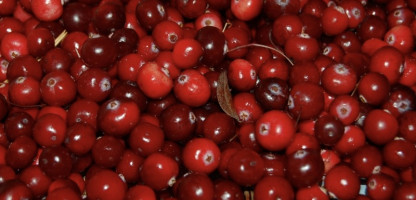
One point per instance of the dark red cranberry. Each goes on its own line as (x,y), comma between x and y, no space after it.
(213,43)
(56,161)
(305,167)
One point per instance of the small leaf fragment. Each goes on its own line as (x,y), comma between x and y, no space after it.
(224,96)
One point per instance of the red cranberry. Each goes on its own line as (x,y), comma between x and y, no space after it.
(106,185)
(274,187)
(245,167)
(305,167)
(56,162)
(195,186)
(165,167)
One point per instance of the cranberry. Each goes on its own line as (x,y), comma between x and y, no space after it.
(24,91)
(165,167)
(226,189)
(58,88)
(36,180)
(328,130)
(342,182)
(192,88)
(245,167)
(105,184)
(305,167)
(80,138)
(219,127)
(387,61)
(149,13)
(380,126)
(196,186)
(154,80)
(201,155)
(398,154)
(146,139)
(274,187)
(129,166)
(118,117)
(275,130)
(107,151)
(380,186)
(178,122)
(338,79)
(140,192)
(18,124)
(49,130)
(366,160)
(15,189)
(99,52)
(306,100)
(108,17)
(20,152)
(56,162)
(213,44)
(246,9)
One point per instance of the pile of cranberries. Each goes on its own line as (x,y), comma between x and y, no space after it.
(207,99)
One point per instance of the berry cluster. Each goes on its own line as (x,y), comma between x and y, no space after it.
(207,99)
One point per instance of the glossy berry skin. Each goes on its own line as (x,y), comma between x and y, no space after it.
(399,154)
(80,137)
(58,88)
(407,122)
(213,44)
(196,186)
(108,17)
(219,127)
(335,20)
(105,184)
(328,130)
(272,93)
(165,167)
(140,192)
(380,127)
(99,52)
(49,130)
(178,122)
(129,166)
(15,189)
(20,152)
(285,27)
(247,9)
(192,88)
(387,61)
(342,182)
(274,187)
(339,79)
(36,180)
(24,66)
(149,13)
(241,75)
(275,130)
(352,139)
(302,47)
(306,100)
(373,88)
(94,84)
(166,33)
(247,108)
(47,10)
(405,191)
(186,53)
(107,151)
(24,91)
(117,117)
(13,45)
(345,108)
(146,138)
(305,167)
(154,80)
(380,186)
(84,111)
(17,124)
(201,155)
(245,167)
(56,162)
